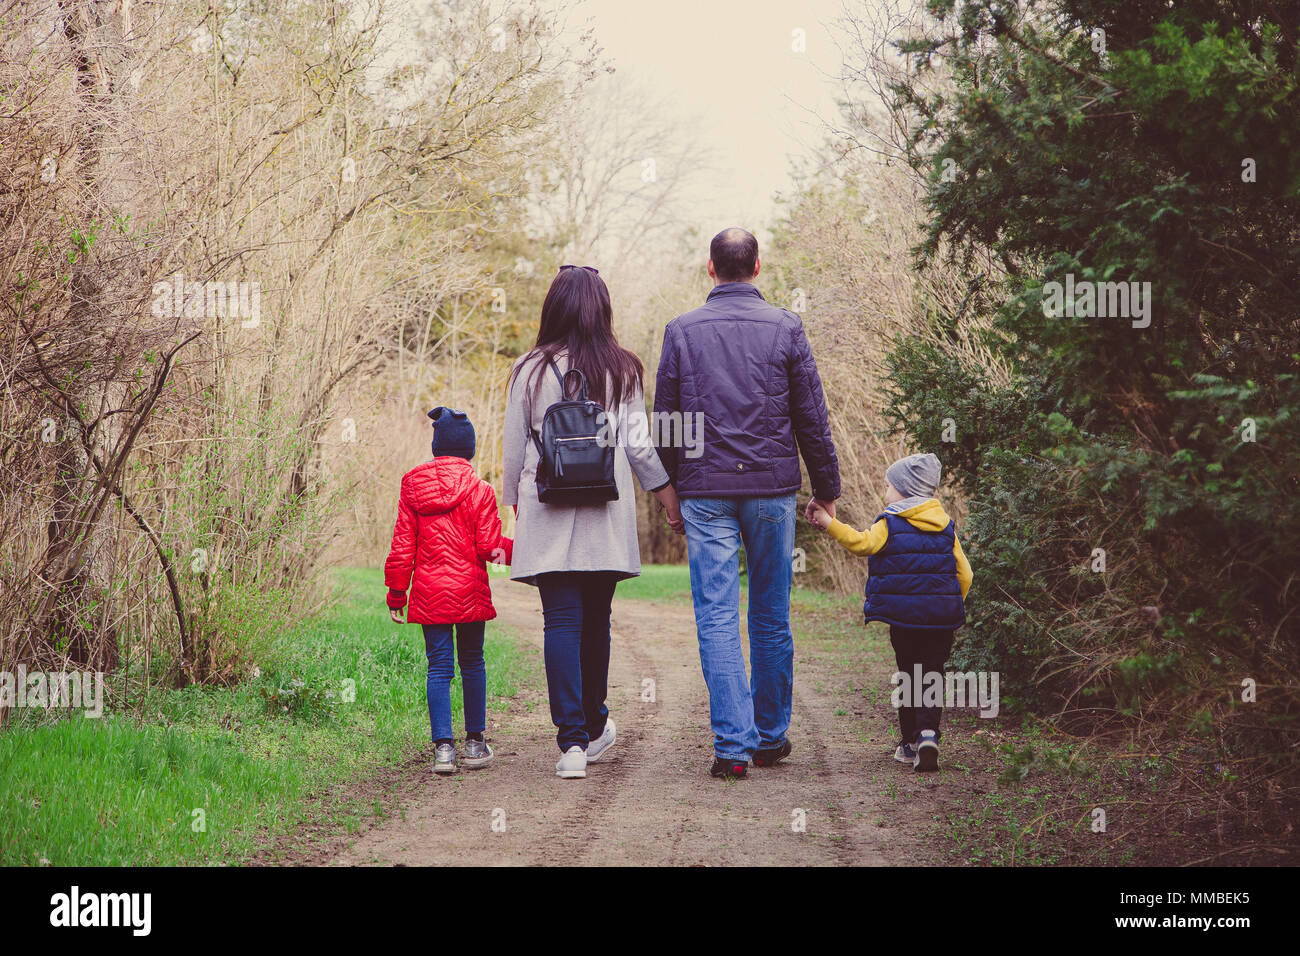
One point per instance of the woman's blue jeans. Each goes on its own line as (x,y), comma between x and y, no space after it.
(576,607)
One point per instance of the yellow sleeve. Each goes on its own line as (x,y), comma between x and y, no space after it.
(859,542)
(964,573)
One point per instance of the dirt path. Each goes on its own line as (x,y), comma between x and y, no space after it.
(651,801)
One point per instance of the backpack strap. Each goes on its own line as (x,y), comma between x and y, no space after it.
(582,384)
(564,396)
(558,377)
(528,405)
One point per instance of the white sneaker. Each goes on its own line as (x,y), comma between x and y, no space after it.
(596,748)
(572,764)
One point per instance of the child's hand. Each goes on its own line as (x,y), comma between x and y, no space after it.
(396,614)
(819,515)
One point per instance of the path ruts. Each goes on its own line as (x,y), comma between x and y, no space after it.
(651,801)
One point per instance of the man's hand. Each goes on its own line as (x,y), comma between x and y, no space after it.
(826,506)
(396,614)
(818,515)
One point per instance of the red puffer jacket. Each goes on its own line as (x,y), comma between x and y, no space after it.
(447,529)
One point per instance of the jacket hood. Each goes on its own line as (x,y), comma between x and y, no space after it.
(927,516)
(438,485)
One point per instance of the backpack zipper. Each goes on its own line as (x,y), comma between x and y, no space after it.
(559,462)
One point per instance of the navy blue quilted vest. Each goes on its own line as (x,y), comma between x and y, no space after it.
(913,579)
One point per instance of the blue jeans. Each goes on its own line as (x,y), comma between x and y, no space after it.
(473,677)
(576,605)
(746,714)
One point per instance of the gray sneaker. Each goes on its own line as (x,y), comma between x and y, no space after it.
(444,758)
(477,754)
(905,754)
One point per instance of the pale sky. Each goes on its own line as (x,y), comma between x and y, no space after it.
(731,63)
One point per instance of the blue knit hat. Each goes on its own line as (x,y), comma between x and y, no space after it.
(453,434)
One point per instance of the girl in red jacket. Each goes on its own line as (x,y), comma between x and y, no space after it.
(448,528)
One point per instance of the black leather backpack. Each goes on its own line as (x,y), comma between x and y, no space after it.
(576,448)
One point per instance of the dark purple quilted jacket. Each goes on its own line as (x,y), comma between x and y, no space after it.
(746,365)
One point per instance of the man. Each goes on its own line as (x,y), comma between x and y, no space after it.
(743,370)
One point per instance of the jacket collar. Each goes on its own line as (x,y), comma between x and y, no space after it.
(735,288)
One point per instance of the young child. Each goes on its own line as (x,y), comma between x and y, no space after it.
(448,528)
(917,582)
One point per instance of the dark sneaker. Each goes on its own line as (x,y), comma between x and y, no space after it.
(927,752)
(905,754)
(728,768)
(766,757)
(477,754)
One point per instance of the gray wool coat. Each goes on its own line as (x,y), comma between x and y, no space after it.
(595,537)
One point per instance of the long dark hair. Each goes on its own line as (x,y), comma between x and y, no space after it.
(577,316)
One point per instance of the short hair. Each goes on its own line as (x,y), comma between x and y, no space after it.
(734,253)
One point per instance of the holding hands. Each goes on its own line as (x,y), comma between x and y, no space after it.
(669,502)
(821,513)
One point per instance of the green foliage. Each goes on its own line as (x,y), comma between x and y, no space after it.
(300,700)
(1022,761)
(123,789)
(1171,446)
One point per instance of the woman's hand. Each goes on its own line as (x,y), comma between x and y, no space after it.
(675,520)
(396,614)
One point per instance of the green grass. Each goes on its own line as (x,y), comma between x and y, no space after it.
(658,582)
(124,789)
(672,583)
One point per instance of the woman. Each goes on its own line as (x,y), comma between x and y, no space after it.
(575,554)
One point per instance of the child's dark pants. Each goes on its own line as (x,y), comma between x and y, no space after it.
(930,649)
(473,677)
